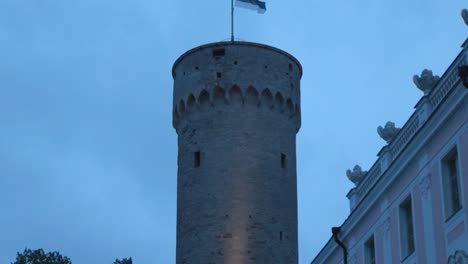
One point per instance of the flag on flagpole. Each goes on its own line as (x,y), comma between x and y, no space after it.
(256,5)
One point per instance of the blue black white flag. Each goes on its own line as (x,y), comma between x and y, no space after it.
(257,5)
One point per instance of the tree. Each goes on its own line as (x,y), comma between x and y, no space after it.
(123,261)
(38,256)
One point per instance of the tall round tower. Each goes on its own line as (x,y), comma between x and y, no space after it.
(236,112)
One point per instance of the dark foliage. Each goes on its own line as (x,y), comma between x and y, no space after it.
(123,261)
(38,256)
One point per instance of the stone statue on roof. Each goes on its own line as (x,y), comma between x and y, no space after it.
(464,14)
(460,256)
(426,81)
(389,132)
(357,175)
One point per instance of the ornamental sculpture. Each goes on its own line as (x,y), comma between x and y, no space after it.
(460,257)
(426,81)
(357,175)
(464,14)
(389,132)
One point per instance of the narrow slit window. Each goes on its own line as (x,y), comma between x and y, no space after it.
(281,235)
(196,159)
(218,52)
(283,160)
(218,74)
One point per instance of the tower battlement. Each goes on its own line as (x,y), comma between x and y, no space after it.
(229,73)
(249,98)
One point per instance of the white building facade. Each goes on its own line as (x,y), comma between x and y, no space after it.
(411,206)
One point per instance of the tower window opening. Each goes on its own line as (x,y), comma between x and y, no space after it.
(235,62)
(219,52)
(283,160)
(196,159)
(218,74)
(197,68)
(281,235)
(290,67)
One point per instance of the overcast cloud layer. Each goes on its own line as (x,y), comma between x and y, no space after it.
(87,148)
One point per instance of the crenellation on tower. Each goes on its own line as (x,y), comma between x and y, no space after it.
(205,74)
(236,96)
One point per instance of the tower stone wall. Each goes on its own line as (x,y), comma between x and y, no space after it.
(236,112)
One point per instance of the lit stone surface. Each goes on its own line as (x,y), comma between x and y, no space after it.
(237,104)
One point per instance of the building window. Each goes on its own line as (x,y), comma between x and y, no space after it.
(406,228)
(369,251)
(196,159)
(283,160)
(451,184)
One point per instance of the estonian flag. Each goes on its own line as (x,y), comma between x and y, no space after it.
(257,5)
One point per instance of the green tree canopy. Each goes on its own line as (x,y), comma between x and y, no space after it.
(38,256)
(123,261)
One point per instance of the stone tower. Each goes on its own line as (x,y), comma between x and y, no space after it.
(236,112)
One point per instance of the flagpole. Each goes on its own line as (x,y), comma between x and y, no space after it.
(232,20)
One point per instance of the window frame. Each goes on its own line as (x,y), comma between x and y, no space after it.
(368,250)
(407,233)
(446,184)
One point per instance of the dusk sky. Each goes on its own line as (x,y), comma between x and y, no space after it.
(87,148)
